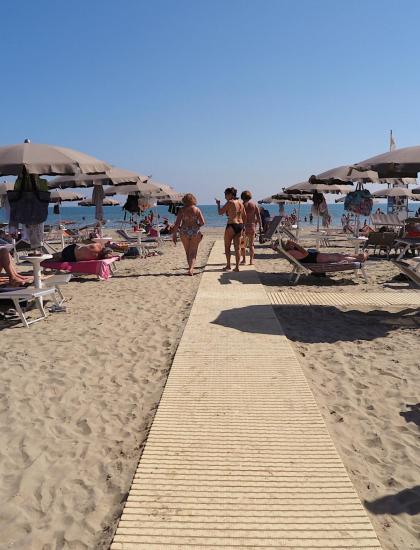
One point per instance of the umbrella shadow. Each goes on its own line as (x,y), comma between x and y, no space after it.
(413,415)
(317,324)
(279,279)
(406,501)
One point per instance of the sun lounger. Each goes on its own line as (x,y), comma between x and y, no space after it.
(56,281)
(383,240)
(271,229)
(299,268)
(411,270)
(103,269)
(405,244)
(386,220)
(17,296)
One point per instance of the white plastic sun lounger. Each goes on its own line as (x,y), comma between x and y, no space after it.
(26,294)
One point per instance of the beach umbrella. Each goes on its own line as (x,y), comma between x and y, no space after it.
(60,195)
(399,163)
(55,196)
(284,197)
(46,159)
(345,175)
(112,176)
(106,202)
(396,192)
(308,188)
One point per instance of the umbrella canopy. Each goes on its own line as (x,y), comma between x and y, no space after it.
(106,202)
(400,163)
(306,187)
(345,175)
(396,192)
(46,159)
(55,196)
(112,176)
(150,190)
(284,197)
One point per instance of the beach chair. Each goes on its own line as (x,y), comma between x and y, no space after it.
(17,296)
(410,270)
(272,229)
(382,240)
(103,269)
(299,269)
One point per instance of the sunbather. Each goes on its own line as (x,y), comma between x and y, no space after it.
(6,263)
(82,253)
(314,257)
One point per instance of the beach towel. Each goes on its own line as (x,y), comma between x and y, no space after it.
(101,268)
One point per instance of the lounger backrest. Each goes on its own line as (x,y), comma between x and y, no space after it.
(271,229)
(381,238)
(289,257)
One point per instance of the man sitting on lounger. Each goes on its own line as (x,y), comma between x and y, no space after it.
(83,253)
(305,256)
(6,263)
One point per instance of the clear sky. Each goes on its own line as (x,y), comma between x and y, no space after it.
(204,94)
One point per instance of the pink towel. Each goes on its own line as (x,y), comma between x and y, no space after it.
(90,267)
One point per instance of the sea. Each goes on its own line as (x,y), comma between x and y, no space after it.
(114,215)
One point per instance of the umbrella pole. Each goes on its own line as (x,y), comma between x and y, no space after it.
(298,222)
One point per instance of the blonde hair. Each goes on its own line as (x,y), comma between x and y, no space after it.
(189,200)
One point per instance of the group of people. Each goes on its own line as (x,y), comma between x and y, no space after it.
(243,217)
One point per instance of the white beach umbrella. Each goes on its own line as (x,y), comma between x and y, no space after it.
(399,163)
(112,176)
(106,202)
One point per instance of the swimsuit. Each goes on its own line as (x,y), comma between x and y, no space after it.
(237,227)
(68,253)
(190,230)
(310,258)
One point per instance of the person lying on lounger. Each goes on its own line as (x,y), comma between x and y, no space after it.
(6,263)
(83,253)
(305,256)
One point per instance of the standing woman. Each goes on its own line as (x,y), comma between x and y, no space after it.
(188,222)
(253,218)
(235,212)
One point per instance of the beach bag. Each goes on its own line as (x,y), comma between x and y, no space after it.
(132,204)
(28,205)
(359,202)
(56,209)
(319,204)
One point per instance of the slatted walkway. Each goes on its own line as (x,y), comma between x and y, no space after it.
(238,456)
(375,299)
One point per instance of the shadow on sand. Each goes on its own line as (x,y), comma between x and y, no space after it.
(404,502)
(317,324)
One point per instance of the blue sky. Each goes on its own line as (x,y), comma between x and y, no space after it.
(207,94)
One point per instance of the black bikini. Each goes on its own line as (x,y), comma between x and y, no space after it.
(237,227)
(310,258)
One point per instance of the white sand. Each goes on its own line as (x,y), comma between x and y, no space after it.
(77,395)
(364,368)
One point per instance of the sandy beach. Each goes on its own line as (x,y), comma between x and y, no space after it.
(79,392)
(363,366)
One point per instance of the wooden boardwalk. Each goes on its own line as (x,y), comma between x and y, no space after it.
(342,299)
(238,456)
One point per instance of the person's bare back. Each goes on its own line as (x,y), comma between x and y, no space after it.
(88,252)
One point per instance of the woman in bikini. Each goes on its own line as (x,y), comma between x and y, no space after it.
(235,212)
(253,218)
(305,256)
(188,222)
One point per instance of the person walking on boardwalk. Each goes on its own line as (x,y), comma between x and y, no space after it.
(235,212)
(253,218)
(188,222)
